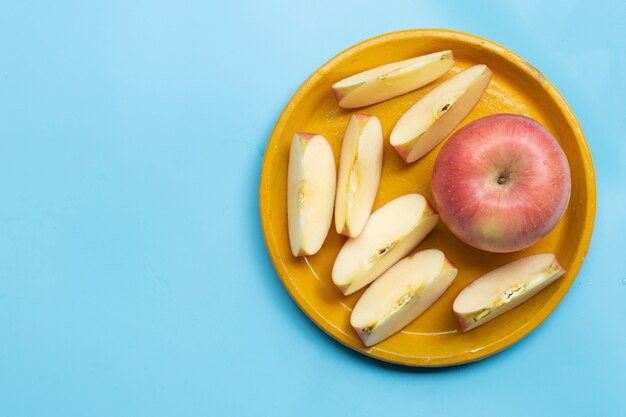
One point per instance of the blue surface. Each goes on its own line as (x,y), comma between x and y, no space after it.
(134,280)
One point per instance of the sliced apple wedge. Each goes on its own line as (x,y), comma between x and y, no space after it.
(391,232)
(504,289)
(436,114)
(359,173)
(311,183)
(401,295)
(391,80)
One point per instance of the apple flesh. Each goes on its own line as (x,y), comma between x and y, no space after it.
(391,232)
(401,295)
(501,183)
(391,80)
(436,114)
(359,173)
(504,289)
(311,183)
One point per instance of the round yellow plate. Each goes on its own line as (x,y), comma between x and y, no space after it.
(434,339)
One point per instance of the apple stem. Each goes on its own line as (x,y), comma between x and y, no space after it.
(503,177)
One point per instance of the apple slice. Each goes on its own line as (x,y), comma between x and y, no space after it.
(311,182)
(504,289)
(435,115)
(359,173)
(391,233)
(391,80)
(401,295)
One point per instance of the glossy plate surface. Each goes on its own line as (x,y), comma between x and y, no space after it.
(434,339)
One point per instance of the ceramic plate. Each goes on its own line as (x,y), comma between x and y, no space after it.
(434,339)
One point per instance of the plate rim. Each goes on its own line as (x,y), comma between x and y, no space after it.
(589,177)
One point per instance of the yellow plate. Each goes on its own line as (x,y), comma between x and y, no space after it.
(434,339)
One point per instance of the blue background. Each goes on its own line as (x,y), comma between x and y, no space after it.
(134,280)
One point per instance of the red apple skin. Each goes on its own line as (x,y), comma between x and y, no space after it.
(501,183)
(464,322)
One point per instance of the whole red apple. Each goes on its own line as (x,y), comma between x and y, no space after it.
(501,182)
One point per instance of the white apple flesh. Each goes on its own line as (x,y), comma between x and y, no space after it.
(391,80)
(360,165)
(311,183)
(401,295)
(501,183)
(438,113)
(391,232)
(504,289)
